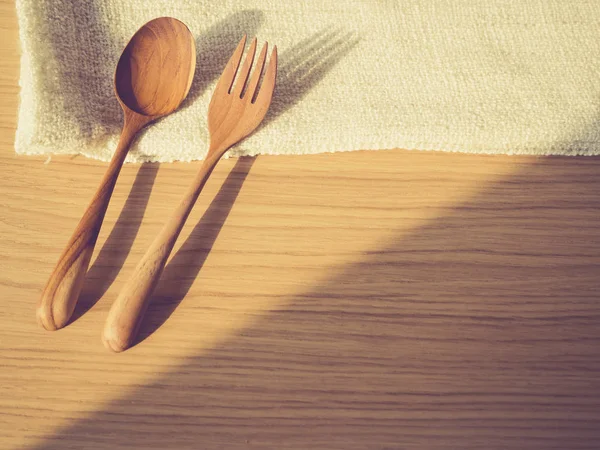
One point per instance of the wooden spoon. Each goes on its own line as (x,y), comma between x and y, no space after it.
(153,77)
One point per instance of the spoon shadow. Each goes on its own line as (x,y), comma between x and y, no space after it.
(114,252)
(182,270)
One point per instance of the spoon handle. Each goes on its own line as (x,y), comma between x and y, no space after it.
(127,312)
(64,286)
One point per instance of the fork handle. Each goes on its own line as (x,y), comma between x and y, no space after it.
(126,313)
(64,285)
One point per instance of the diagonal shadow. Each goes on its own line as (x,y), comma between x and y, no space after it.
(189,259)
(305,64)
(477,330)
(114,252)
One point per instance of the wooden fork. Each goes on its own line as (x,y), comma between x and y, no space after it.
(233,113)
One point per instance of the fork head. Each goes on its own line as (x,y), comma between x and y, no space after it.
(235,111)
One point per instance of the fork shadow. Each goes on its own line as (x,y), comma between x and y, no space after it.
(305,64)
(215,46)
(302,67)
(185,265)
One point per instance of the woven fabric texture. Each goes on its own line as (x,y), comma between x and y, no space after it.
(480,76)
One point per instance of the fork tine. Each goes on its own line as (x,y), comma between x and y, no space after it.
(258,69)
(228,75)
(245,70)
(267,87)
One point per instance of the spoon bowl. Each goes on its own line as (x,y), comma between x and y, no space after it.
(155,71)
(153,77)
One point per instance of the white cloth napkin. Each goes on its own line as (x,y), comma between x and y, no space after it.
(480,76)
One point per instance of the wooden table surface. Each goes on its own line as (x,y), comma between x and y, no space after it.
(369,300)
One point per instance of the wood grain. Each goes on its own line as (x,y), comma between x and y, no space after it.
(233,114)
(162,49)
(364,300)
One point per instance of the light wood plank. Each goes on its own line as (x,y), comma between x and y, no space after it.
(385,299)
